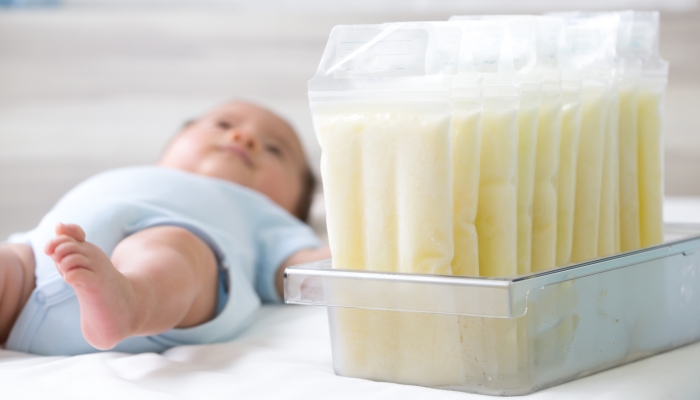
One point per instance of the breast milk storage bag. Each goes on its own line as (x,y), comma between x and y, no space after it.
(489,47)
(467,107)
(592,41)
(555,60)
(630,235)
(524,59)
(382,114)
(552,55)
(652,85)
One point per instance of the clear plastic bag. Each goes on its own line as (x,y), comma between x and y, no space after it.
(524,54)
(485,65)
(654,76)
(592,42)
(467,108)
(496,217)
(381,111)
(383,115)
(630,238)
(551,47)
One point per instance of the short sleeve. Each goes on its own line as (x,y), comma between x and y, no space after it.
(279,236)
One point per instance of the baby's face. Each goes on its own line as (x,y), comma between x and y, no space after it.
(245,144)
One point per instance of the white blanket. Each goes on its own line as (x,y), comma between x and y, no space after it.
(286,354)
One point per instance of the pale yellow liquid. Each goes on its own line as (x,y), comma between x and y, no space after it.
(527,147)
(608,196)
(618,245)
(629,189)
(568,155)
(387,178)
(544,221)
(341,163)
(492,347)
(496,218)
(650,166)
(589,173)
(466,127)
(413,348)
(487,346)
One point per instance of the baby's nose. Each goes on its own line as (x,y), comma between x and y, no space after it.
(244,139)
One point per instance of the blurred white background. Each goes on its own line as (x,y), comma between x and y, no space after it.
(91,85)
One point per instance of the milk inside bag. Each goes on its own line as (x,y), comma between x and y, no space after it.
(654,76)
(467,106)
(630,237)
(592,41)
(608,218)
(382,114)
(496,218)
(488,42)
(569,145)
(609,241)
(493,350)
(551,60)
(524,57)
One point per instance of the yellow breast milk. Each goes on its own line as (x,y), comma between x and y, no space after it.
(630,238)
(544,226)
(608,220)
(568,156)
(527,148)
(589,173)
(496,218)
(650,166)
(466,132)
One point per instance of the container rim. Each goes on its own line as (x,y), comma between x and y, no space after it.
(506,296)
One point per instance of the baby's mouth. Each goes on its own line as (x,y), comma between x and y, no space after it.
(240,152)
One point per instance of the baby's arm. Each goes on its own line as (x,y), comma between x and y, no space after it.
(300,257)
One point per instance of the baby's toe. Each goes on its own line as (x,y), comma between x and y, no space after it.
(52,244)
(71,264)
(66,248)
(72,230)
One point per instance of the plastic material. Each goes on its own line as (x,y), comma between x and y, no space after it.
(525,332)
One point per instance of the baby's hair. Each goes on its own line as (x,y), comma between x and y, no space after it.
(308,186)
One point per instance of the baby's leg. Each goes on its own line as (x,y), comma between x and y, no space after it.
(156,279)
(16,283)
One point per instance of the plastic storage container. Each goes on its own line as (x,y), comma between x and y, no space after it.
(524,333)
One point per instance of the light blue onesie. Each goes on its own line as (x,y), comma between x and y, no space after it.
(249,234)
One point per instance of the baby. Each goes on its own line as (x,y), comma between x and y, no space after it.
(145,258)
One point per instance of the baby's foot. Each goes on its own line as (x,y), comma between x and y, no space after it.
(105,295)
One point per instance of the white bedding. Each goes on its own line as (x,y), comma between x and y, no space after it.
(286,355)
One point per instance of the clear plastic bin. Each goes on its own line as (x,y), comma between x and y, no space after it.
(508,336)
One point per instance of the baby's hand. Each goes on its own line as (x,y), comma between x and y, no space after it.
(300,257)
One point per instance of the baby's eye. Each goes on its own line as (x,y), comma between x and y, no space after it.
(224,125)
(274,149)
